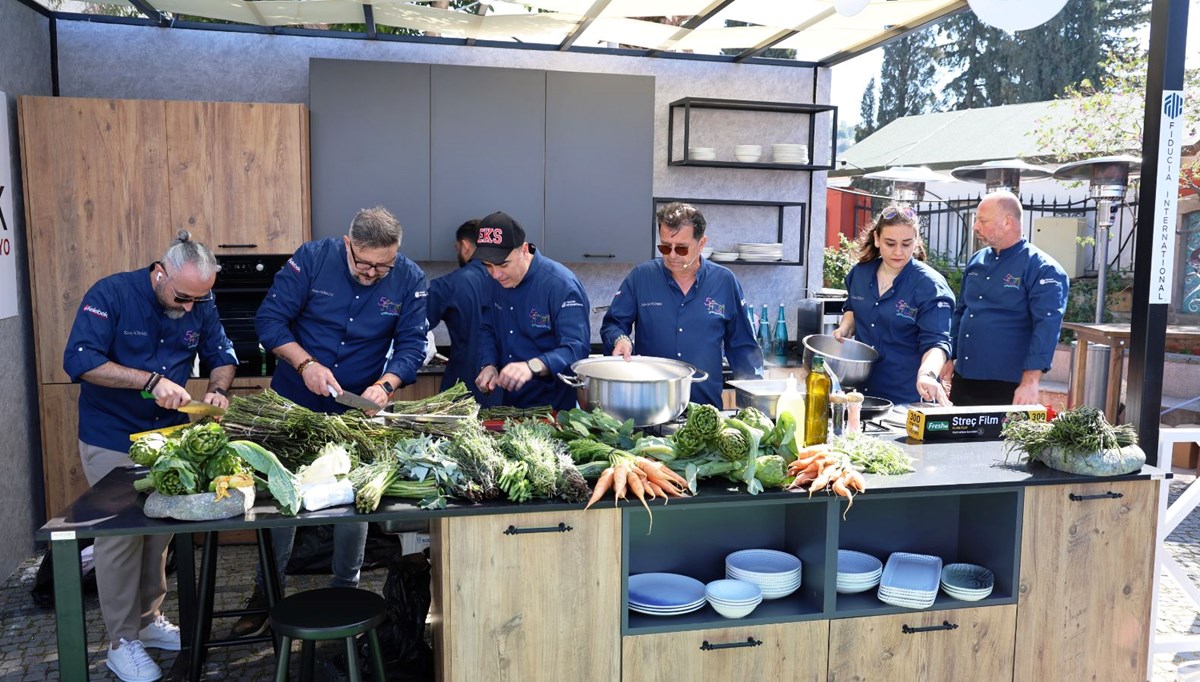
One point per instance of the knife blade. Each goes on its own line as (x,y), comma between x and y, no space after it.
(352,400)
(202,408)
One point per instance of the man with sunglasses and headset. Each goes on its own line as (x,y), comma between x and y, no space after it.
(331,316)
(131,348)
(684,307)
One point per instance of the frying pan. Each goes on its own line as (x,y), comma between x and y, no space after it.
(874,408)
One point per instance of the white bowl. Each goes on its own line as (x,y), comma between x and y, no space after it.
(732,591)
(747,158)
(731,611)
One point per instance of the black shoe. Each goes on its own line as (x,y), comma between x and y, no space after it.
(252,624)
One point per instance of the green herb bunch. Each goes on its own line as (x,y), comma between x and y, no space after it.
(1081,430)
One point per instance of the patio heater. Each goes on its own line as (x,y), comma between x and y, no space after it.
(1108,177)
(1003,175)
(908,182)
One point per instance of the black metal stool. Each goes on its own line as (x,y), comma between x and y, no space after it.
(328,613)
(200,640)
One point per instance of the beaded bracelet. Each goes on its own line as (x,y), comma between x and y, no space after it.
(304,365)
(152,382)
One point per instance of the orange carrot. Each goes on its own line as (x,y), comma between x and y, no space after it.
(635,484)
(856,481)
(620,479)
(839,487)
(602,485)
(823,479)
(656,491)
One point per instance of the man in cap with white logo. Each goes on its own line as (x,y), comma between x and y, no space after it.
(537,321)
(1006,323)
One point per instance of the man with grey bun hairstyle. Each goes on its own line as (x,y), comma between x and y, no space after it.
(345,314)
(132,347)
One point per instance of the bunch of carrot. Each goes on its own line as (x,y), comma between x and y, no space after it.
(640,475)
(820,468)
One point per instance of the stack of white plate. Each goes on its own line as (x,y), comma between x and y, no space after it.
(967,582)
(733,598)
(702,153)
(707,252)
(777,573)
(665,594)
(910,580)
(723,256)
(760,252)
(747,153)
(857,572)
(789,153)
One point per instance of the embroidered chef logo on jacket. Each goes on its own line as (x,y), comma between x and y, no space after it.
(93,310)
(903,309)
(538,320)
(651,304)
(191,338)
(1012,282)
(292,264)
(571,303)
(1048,280)
(135,332)
(321,292)
(714,308)
(388,307)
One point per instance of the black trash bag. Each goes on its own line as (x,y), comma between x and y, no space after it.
(312,550)
(407,656)
(42,592)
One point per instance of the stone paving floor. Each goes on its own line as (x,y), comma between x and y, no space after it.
(28,652)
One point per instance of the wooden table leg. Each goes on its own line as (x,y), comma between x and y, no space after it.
(1112,402)
(1078,371)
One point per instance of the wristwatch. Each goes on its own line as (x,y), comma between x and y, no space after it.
(386,386)
(536,366)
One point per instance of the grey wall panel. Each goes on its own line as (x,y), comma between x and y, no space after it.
(369,128)
(489,143)
(24,70)
(599,166)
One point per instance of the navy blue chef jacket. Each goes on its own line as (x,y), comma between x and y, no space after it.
(546,316)
(694,328)
(121,320)
(903,324)
(316,302)
(1009,313)
(458,300)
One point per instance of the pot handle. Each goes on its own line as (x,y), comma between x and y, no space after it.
(573,381)
(703,376)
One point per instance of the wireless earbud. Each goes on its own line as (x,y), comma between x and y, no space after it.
(160,275)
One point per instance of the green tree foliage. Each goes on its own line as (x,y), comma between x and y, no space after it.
(907,78)
(867,113)
(992,67)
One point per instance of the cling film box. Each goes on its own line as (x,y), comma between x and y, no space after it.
(979,421)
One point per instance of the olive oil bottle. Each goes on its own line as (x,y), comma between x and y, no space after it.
(816,407)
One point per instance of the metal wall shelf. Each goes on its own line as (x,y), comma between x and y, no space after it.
(687,104)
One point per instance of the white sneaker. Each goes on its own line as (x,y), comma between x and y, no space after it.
(131,663)
(161,634)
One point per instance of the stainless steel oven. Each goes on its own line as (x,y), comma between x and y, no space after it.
(242,283)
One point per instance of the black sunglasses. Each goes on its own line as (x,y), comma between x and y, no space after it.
(182,300)
(367,265)
(680,249)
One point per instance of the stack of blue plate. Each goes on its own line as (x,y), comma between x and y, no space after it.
(665,594)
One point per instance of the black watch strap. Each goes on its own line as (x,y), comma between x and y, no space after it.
(220,391)
(387,386)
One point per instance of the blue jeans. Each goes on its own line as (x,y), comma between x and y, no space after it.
(349,543)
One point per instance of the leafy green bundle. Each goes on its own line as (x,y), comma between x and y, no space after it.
(1079,431)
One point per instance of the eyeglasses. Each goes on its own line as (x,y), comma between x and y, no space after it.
(367,265)
(680,249)
(891,212)
(183,300)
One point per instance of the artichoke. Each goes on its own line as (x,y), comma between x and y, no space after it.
(756,419)
(147,449)
(201,441)
(733,445)
(174,475)
(704,420)
(687,442)
(771,471)
(226,463)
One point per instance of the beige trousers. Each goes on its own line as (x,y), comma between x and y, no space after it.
(131,571)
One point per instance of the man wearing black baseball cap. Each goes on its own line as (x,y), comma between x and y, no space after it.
(536,324)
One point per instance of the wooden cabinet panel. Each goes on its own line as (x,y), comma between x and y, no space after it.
(527,606)
(1087,565)
(238,174)
(95,203)
(785,651)
(62,470)
(978,648)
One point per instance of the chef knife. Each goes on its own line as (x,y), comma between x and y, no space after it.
(202,408)
(352,400)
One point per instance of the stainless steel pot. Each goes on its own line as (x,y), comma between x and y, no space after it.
(647,390)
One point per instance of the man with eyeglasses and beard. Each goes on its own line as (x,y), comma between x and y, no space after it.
(684,307)
(135,337)
(331,316)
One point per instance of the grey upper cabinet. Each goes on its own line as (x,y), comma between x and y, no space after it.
(370,146)
(599,167)
(488,149)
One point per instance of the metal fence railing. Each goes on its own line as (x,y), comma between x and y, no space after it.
(946,227)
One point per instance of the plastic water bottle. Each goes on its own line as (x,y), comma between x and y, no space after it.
(764,331)
(779,338)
